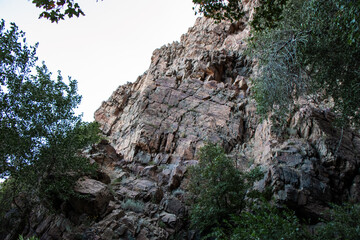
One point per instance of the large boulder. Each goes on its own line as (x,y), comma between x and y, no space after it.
(94,199)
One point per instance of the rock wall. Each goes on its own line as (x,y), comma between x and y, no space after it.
(199,90)
(316,164)
(194,91)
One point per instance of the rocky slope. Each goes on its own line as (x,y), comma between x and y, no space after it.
(194,91)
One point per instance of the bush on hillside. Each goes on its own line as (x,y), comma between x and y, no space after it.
(217,189)
(343,223)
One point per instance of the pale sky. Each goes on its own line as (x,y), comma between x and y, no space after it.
(108,47)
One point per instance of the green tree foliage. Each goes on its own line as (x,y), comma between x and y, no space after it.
(262,221)
(56,10)
(31,238)
(314,49)
(268,11)
(281,77)
(332,53)
(219,9)
(40,135)
(343,223)
(304,47)
(268,14)
(265,221)
(217,188)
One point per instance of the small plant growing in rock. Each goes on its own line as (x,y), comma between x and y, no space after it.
(30,238)
(133,205)
(163,166)
(178,193)
(112,190)
(161,224)
(183,135)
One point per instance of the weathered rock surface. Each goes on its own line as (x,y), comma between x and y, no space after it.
(198,90)
(188,95)
(317,164)
(194,91)
(96,197)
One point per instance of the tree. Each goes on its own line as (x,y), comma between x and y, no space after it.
(219,9)
(314,49)
(268,12)
(342,223)
(332,52)
(266,221)
(217,188)
(56,10)
(262,220)
(40,135)
(281,76)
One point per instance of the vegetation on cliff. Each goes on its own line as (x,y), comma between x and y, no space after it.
(43,135)
(224,206)
(303,47)
(217,187)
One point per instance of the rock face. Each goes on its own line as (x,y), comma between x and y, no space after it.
(191,93)
(194,91)
(317,164)
(198,90)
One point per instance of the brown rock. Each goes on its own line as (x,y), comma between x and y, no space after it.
(161,114)
(96,197)
(176,177)
(143,235)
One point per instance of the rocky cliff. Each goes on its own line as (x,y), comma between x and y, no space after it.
(199,90)
(191,93)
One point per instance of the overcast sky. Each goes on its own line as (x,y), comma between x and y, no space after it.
(108,47)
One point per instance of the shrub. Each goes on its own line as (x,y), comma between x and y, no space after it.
(343,223)
(30,238)
(217,189)
(133,205)
(264,221)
